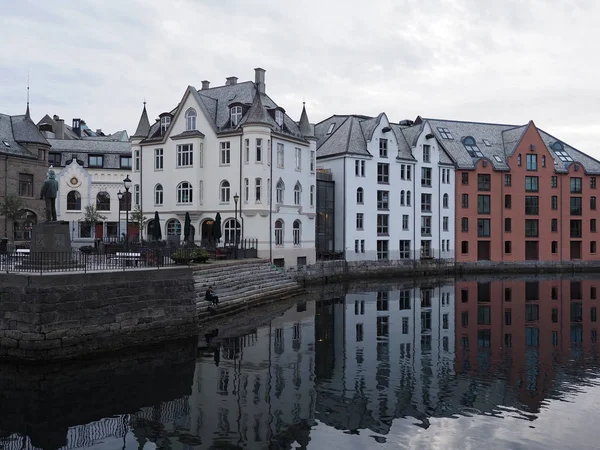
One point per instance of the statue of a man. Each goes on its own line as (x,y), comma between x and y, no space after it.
(49,192)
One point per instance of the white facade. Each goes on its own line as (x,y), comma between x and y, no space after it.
(196,167)
(392,201)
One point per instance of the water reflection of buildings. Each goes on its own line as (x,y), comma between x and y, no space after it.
(385,354)
(524,332)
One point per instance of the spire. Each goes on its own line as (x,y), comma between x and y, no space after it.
(257,113)
(27,115)
(305,127)
(143,125)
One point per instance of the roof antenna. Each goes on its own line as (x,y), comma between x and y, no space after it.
(27,115)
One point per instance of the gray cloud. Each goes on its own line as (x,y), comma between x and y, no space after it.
(505,62)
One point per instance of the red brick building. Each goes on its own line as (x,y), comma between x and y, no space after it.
(521,194)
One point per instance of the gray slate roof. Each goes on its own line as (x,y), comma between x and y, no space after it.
(25,130)
(304,124)
(405,137)
(80,149)
(346,137)
(143,125)
(215,103)
(18,130)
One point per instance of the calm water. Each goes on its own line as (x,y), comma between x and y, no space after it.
(502,364)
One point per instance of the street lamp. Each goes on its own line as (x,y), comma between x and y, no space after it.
(235,233)
(120,197)
(127,185)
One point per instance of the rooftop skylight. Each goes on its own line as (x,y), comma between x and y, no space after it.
(487,143)
(497,158)
(472,148)
(445,133)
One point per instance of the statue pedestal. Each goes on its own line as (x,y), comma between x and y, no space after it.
(50,247)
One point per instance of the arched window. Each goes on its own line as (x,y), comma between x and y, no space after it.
(296,232)
(229,230)
(103,201)
(279,232)
(225,192)
(471,147)
(407,198)
(158,195)
(360,194)
(22,227)
(190,119)
(445,200)
(279,192)
(236,115)
(73,201)
(184,192)
(297,193)
(402,198)
(173,227)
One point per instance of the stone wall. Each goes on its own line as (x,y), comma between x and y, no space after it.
(72,315)
(340,270)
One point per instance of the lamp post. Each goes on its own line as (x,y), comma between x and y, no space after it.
(120,197)
(127,185)
(235,233)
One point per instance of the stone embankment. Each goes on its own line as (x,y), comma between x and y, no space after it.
(240,285)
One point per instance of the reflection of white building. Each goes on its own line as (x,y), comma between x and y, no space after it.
(223,142)
(90,168)
(396,343)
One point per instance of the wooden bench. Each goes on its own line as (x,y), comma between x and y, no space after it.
(128,257)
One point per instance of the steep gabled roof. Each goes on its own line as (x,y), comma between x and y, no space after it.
(25,131)
(405,137)
(590,165)
(346,137)
(304,125)
(8,143)
(143,125)
(511,139)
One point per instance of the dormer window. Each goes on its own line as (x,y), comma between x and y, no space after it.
(561,153)
(279,117)
(165,121)
(472,148)
(236,115)
(190,119)
(331,127)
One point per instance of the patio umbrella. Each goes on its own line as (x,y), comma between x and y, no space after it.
(156,231)
(187,227)
(217,228)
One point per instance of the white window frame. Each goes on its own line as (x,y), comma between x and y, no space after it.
(159,195)
(136,195)
(280,192)
(159,155)
(279,233)
(183,188)
(246,151)
(312,195)
(190,119)
(136,161)
(225,154)
(360,196)
(312,161)
(201,192)
(173,227)
(279,117)
(298,194)
(225,192)
(296,232)
(185,155)
(298,155)
(280,155)
(235,114)
(246,190)
(258,153)
(258,190)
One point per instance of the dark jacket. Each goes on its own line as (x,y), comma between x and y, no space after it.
(49,188)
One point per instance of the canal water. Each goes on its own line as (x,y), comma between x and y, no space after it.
(431,364)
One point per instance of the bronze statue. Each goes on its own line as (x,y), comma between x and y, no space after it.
(49,192)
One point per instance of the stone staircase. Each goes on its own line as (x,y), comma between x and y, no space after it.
(240,284)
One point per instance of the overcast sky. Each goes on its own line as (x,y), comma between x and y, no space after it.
(507,61)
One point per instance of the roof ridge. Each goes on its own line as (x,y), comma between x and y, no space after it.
(334,131)
(469,121)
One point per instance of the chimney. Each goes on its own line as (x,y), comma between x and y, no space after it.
(77,127)
(99,132)
(55,117)
(259,79)
(59,131)
(205,85)
(230,81)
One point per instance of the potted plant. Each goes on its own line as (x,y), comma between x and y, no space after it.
(200,255)
(182,257)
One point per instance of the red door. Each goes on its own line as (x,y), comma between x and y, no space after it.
(99,231)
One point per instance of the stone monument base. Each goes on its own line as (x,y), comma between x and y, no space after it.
(50,248)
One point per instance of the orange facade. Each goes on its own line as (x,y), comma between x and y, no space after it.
(529,212)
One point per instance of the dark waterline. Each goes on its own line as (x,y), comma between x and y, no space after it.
(499,364)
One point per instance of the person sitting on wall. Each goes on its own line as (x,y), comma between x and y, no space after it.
(211,296)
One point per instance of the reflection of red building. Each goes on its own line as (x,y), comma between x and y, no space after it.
(521,328)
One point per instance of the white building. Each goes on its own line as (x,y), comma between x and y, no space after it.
(223,142)
(394,188)
(90,168)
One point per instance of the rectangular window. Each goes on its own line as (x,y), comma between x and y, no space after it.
(554,202)
(483,182)
(508,317)
(382,250)
(576,228)
(383,200)
(531,228)
(185,155)
(383,148)
(465,178)
(531,162)
(508,225)
(382,301)
(425,202)
(554,181)
(575,185)
(137,160)
(405,325)
(383,173)
(508,201)
(484,315)
(404,299)
(484,204)
(402,171)
(95,161)
(554,226)
(593,203)
(554,247)
(54,159)
(507,247)
(507,180)
(362,245)
(158,159)
(312,196)
(464,247)
(409,173)
(464,224)
(592,182)
(404,250)
(225,153)
(246,151)
(312,161)
(426,176)
(592,225)
(258,189)
(382,224)
(405,222)
(359,221)
(426,153)
(592,246)
(532,206)
(280,155)
(425,225)
(298,159)
(532,184)
(125,162)
(25,185)
(259,155)
(575,204)
(445,221)
(483,227)
(465,200)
